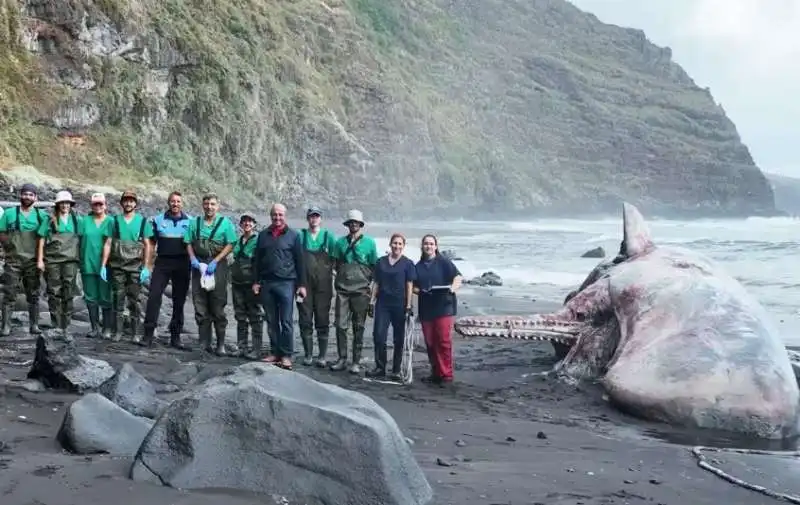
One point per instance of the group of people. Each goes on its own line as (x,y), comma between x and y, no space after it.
(268,273)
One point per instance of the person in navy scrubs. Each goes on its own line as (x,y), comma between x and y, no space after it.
(392,292)
(438,280)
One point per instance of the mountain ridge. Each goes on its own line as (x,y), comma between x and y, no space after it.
(404,109)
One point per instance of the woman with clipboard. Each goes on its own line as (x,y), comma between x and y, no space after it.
(438,280)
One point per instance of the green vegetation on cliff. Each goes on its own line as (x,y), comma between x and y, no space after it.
(499,105)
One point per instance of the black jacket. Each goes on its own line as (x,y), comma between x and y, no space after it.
(279,258)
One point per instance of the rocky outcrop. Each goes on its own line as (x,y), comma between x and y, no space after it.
(262,429)
(485,279)
(497,106)
(58,365)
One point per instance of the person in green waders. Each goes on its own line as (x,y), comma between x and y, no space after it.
(209,240)
(126,253)
(18,227)
(58,257)
(96,292)
(246,308)
(355,255)
(314,311)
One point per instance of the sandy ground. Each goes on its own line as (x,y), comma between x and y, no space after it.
(502,436)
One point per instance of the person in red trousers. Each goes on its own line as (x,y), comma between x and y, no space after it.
(438,280)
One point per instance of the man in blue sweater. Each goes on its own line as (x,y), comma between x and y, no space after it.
(279,273)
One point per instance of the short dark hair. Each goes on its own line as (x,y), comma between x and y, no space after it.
(210,196)
(174,193)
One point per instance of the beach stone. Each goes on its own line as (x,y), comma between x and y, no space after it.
(131,391)
(486,279)
(597,252)
(58,365)
(451,255)
(94,424)
(262,429)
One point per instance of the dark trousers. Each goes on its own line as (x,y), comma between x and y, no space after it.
(209,306)
(277,298)
(386,314)
(31,282)
(60,285)
(166,270)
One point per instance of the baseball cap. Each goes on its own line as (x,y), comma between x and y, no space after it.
(28,187)
(98,198)
(313,210)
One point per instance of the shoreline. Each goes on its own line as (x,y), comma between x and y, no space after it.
(503,435)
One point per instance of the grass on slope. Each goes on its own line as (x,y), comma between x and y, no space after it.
(279,63)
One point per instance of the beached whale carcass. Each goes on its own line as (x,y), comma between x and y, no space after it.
(671,336)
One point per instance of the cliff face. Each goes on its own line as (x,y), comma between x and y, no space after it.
(496,106)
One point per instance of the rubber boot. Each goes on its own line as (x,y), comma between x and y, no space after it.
(308,349)
(63,327)
(204,335)
(257,330)
(136,338)
(322,343)
(220,350)
(33,319)
(358,343)
(54,320)
(94,320)
(242,328)
(341,347)
(108,322)
(5,324)
(119,325)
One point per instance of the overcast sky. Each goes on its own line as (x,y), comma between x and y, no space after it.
(746,51)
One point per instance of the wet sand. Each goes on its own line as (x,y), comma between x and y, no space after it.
(502,435)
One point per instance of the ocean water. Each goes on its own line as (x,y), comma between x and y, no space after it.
(542,257)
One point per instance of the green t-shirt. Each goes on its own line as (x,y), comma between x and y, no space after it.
(365,251)
(66,224)
(247,249)
(29,222)
(325,240)
(92,240)
(133,231)
(225,234)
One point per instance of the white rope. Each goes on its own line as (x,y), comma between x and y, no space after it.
(409,343)
(705,465)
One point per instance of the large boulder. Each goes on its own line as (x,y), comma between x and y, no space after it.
(58,365)
(128,389)
(262,429)
(94,424)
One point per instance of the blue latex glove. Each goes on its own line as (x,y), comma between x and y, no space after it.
(211,267)
(104,273)
(195,264)
(144,275)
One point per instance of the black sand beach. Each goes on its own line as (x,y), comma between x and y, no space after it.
(503,435)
